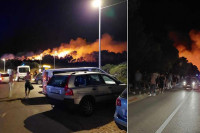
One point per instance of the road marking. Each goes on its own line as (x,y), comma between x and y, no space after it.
(162,127)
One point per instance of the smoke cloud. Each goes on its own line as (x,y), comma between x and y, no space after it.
(188,49)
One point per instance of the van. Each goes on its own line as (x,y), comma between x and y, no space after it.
(47,74)
(21,72)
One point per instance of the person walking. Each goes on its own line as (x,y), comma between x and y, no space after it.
(11,77)
(28,84)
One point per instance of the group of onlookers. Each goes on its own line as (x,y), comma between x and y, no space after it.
(148,83)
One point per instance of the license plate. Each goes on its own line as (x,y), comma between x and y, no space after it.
(55,91)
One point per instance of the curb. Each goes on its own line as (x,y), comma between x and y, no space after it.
(135,98)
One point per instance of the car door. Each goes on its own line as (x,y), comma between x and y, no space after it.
(81,87)
(113,85)
(100,91)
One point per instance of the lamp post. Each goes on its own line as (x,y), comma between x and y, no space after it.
(98,3)
(55,59)
(40,59)
(4,60)
(40,62)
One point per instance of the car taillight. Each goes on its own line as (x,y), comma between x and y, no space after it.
(118,102)
(68,91)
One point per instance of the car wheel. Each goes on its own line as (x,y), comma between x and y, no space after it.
(121,127)
(87,107)
(39,82)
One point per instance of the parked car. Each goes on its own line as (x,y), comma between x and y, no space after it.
(4,78)
(120,115)
(82,90)
(47,74)
(38,78)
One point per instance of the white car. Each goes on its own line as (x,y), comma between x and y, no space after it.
(4,78)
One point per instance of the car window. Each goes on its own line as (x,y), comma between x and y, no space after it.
(58,81)
(94,79)
(23,70)
(80,80)
(108,80)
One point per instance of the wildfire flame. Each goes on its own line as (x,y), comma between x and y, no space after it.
(193,53)
(79,48)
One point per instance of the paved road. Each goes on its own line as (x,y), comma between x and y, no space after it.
(19,115)
(176,111)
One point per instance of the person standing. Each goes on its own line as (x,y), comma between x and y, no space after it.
(153,85)
(11,77)
(138,79)
(161,83)
(27,84)
(169,81)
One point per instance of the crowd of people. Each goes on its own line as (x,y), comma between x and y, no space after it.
(149,83)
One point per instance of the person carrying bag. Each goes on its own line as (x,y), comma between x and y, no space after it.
(28,85)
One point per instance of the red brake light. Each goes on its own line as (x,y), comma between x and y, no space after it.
(68,91)
(118,102)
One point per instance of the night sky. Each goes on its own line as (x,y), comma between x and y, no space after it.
(164,16)
(32,25)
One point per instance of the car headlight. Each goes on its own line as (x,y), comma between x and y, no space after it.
(184,82)
(193,83)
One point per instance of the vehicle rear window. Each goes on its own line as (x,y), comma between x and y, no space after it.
(58,81)
(124,94)
(23,70)
(4,75)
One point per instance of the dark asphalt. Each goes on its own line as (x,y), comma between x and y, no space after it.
(175,111)
(19,115)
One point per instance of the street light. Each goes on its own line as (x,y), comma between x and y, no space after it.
(97,3)
(55,59)
(40,62)
(4,60)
